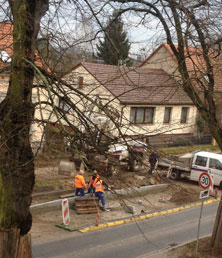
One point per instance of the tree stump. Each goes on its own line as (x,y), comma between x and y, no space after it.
(12,245)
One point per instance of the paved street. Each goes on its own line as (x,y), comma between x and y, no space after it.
(130,240)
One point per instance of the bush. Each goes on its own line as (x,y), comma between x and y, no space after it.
(201,124)
(181,142)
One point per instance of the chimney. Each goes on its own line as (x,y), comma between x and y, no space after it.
(80,82)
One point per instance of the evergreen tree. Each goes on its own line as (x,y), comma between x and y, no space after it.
(114,49)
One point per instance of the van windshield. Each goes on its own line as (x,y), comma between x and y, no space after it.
(201,161)
(215,164)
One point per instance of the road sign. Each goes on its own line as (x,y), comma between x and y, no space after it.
(211,187)
(65,212)
(204,194)
(205,180)
(169,172)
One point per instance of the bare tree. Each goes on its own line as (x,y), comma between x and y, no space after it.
(186,24)
(28,79)
(52,93)
(16,158)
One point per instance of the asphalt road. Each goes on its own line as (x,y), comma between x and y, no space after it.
(133,239)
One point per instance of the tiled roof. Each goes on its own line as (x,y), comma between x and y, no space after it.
(138,85)
(6,44)
(195,63)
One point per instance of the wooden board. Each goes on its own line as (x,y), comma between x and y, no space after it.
(86,205)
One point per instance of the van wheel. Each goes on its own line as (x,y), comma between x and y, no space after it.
(175,175)
(131,165)
(220,185)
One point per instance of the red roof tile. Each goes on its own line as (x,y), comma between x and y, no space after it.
(6,44)
(138,85)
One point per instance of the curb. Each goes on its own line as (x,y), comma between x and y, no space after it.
(147,216)
(108,195)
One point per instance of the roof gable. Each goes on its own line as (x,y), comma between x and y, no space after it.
(195,62)
(138,85)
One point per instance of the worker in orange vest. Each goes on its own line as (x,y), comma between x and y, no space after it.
(99,192)
(80,184)
(92,182)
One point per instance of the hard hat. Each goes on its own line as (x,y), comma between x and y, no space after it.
(81,171)
(95,172)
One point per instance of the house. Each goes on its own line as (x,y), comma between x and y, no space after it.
(6,54)
(163,58)
(150,103)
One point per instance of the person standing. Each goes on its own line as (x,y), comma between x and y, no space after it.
(80,184)
(99,192)
(153,158)
(93,180)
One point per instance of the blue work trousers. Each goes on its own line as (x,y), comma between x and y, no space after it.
(81,191)
(100,195)
(91,189)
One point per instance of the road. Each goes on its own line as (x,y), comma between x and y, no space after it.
(133,239)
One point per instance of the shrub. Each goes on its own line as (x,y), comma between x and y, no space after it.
(181,142)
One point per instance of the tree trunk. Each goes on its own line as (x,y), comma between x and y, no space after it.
(16,115)
(216,239)
(12,245)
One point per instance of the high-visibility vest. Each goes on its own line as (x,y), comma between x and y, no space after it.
(91,181)
(79,181)
(96,180)
(99,186)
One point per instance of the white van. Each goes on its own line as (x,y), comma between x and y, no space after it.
(197,163)
(207,162)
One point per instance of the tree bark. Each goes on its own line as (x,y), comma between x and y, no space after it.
(16,115)
(12,245)
(216,239)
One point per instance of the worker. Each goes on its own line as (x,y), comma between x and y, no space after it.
(80,184)
(153,158)
(99,192)
(93,180)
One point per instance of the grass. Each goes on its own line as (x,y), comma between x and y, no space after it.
(185,149)
(52,184)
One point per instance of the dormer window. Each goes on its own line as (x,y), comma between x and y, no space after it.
(80,82)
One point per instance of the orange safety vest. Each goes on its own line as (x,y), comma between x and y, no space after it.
(96,180)
(91,181)
(79,181)
(99,186)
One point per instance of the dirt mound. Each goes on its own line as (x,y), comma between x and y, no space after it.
(182,195)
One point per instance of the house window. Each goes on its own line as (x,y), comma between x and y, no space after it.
(80,82)
(141,115)
(184,115)
(167,115)
(63,105)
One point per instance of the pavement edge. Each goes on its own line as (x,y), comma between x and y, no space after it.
(146,216)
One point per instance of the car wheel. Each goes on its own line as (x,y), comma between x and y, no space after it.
(175,175)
